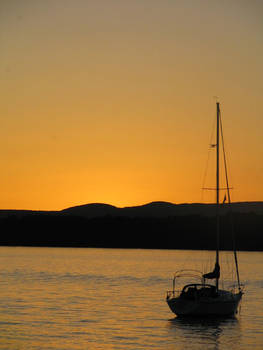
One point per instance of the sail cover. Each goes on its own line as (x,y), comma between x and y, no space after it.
(214,274)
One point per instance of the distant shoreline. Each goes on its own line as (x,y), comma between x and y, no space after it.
(152,209)
(158,225)
(121,248)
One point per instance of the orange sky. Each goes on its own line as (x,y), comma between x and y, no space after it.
(112,101)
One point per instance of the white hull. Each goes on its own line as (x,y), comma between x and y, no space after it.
(225,304)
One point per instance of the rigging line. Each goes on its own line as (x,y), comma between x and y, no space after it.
(211,147)
(205,173)
(229,201)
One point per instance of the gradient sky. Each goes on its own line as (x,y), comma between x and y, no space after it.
(112,100)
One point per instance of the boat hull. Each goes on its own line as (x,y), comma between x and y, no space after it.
(225,304)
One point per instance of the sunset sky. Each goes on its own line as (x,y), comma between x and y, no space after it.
(112,100)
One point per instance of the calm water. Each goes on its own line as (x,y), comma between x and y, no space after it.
(56,298)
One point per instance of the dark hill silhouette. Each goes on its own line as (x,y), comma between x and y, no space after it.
(92,210)
(154,209)
(153,225)
(161,209)
(151,210)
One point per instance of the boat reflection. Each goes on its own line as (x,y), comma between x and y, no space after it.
(210,333)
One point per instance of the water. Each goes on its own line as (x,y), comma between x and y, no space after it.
(63,298)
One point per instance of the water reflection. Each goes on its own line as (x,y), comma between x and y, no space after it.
(208,333)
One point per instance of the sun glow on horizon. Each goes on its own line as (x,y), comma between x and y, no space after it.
(112,102)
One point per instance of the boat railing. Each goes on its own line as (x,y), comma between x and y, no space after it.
(180,275)
(172,294)
(188,273)
(237,289)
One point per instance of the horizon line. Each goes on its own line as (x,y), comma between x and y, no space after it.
(127,206)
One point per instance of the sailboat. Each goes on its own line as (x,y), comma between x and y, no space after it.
(203,298)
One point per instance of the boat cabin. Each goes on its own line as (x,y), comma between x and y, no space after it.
(198,290)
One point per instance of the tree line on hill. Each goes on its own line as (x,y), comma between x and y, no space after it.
(174,232)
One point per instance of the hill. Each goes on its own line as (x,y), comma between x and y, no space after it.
(160,209)
(159,225)
(154,209)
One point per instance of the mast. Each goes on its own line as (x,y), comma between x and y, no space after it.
(217,186)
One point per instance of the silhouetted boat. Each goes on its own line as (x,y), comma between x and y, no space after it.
(202,299)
